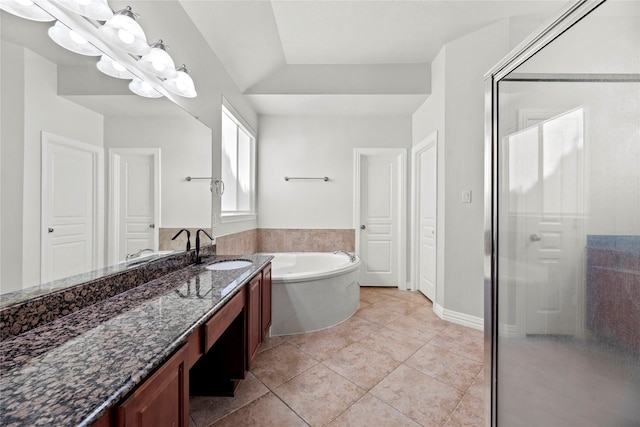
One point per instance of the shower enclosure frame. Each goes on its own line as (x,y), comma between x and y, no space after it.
(554,28)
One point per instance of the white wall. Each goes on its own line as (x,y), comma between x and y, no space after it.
(43,111)
(430,118)
(185,150)
(316,146)
(456,112)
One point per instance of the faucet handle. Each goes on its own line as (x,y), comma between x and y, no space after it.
(188,237)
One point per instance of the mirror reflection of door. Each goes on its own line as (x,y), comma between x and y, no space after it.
(71,207)
(546,211)
(134,200)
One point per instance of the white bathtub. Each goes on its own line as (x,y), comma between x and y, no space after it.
(312,291)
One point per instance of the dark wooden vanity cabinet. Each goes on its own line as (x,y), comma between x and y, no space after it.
(266,301)
(254,318)
(258,312)
(213,361)
(163,399)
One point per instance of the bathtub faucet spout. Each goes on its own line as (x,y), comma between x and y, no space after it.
(352,257)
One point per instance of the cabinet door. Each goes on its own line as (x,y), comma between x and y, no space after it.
(254,332)
(162,400)
(266,301)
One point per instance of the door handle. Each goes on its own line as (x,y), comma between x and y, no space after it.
(535,238)
(50,230)
(152,226)
(362,227)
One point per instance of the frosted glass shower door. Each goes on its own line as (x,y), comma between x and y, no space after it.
(565,262)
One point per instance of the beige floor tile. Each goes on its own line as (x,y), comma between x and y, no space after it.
(389,342)
(377,314)
(422,398)
(469,413)
(321,344)
(356,328)
(206,410)
(458,339)
(271,342)
(398,305)
(417,329)
(279,364)
(450,368)
(318,395)
(369,295)
(477,389)
(267,411)
(371,411)
(425,313)
(412,296)
(361,365)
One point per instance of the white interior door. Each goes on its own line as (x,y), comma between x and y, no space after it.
(380,176)
(134,201)
(546,185)
(71,207)
(425,207)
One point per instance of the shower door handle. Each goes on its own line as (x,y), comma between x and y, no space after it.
(535,238)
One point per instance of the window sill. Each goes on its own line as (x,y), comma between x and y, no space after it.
(226,218)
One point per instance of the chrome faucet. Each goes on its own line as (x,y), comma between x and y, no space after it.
(198,258)
(137,254)
(352,257)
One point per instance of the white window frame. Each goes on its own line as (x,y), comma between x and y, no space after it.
(236,216)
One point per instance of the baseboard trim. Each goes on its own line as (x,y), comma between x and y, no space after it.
(459,318)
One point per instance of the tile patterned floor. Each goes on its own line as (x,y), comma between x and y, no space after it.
(394,363)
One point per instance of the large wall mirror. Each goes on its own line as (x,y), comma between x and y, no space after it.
(89,172)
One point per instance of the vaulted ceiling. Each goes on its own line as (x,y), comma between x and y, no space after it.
(342,57)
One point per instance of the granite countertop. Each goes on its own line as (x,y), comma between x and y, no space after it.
(70,371)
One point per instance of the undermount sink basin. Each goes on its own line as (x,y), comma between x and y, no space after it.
(229,265)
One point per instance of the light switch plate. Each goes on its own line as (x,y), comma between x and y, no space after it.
(466,196)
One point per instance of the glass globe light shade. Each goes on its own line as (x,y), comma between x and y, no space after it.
(158,62)
(182,84)
(113,68)
(125,33)
(71,40)
(26,9)
(94,9)
(142,88)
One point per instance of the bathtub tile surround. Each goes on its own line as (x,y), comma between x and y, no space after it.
(305,240)
(245,242)
(360,378)
(23,310)
(180,244)
(286,240)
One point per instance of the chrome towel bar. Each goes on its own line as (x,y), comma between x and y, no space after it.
(324,178)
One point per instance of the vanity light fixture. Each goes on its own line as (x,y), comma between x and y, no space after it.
(150,68)
(182,84)
(113,68)
(26,9)
(70,40)
(123,32)
(142,88)
(158,62)
(94,9)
